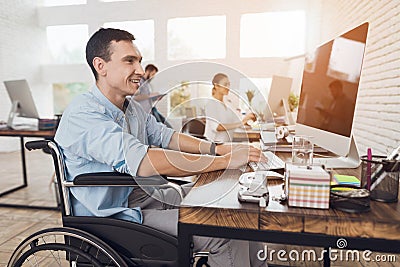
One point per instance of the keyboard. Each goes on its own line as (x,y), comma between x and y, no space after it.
(274,162)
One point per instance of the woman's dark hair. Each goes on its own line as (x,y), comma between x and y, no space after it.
(99,45)
(218,77)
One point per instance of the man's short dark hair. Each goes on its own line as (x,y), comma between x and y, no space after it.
(151,68)
(99,45)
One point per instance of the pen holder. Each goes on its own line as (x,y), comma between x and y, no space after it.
(381,177)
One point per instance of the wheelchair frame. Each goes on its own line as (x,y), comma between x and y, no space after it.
(97,241)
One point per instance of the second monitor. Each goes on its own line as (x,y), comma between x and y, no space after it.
(278,98)
(22,104)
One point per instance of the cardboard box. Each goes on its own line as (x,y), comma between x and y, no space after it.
(307,187)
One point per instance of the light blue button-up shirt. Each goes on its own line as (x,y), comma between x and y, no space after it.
(96,136)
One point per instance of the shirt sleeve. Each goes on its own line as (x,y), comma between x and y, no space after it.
(158,134)
(103,140)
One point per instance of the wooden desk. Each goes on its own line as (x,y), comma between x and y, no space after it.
(246,135)
(212,209)
(21,134)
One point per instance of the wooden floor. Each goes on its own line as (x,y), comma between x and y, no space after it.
(17,224)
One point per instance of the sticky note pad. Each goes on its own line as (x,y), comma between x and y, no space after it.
(345,180)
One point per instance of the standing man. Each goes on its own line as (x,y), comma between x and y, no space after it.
(144,94)
(146,97)
(97,134)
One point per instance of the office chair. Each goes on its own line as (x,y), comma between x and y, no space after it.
(96,241)
(159,117)
(195,127)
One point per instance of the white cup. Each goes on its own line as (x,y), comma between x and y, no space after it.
(302,150)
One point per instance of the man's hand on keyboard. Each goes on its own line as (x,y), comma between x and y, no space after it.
(242,154)
(274,163)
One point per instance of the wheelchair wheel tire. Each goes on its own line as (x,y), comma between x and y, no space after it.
(64,247)
(43,255)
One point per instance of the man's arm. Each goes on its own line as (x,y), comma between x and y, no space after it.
(187,143)
(176,163)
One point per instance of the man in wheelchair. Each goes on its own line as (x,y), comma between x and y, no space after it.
(99,132)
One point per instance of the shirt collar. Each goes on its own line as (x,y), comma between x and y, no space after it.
(107,103)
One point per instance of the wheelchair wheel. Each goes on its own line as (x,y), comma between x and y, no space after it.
(64,247)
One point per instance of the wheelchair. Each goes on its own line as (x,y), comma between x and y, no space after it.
(97,241)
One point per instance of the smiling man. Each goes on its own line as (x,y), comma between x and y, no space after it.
(98,134)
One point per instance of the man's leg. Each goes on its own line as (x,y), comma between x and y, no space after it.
(223,252)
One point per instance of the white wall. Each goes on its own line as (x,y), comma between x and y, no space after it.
(377,119)
(22,51)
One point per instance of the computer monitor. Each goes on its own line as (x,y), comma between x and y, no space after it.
(328,96)
(22,103)
(278,97)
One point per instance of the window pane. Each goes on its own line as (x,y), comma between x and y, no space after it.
(63,93)
(143,30)
(63,2)
(197,38)
(67,43)
(272,34)
(260,88)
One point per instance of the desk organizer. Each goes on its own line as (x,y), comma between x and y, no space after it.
(307,187)
(381,177)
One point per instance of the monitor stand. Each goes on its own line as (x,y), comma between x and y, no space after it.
(350,161)
(288,114)
(13,113)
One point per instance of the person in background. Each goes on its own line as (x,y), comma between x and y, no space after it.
(146,97)
(337,114)
(221,119)
(144,94)
(91,140)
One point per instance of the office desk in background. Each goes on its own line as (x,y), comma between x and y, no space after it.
(22,134)
(212,209)
(246,135)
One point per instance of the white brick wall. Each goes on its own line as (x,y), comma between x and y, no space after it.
(377,121)
(22,51)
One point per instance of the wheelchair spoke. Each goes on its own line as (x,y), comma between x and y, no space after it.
(64,247)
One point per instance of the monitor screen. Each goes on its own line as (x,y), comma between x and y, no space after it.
(20,94)
(329,90)
(280,90)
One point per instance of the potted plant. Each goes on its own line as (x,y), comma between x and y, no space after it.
(293,101)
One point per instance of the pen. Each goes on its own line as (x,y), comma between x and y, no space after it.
(378,175)
(369,158)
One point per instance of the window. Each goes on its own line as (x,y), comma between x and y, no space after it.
(259,89)
(63,2)
(143,30)
(67,43)
(63,93)
(272,34)
(197,38)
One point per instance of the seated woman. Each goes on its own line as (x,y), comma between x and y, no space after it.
(221,119)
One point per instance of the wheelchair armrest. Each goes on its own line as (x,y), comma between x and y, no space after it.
(117,179)
(38,144)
